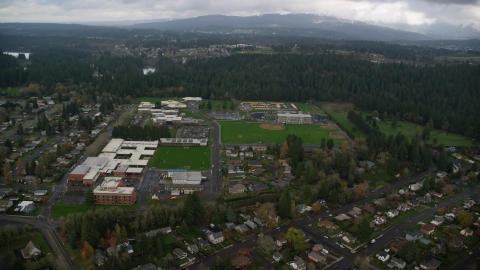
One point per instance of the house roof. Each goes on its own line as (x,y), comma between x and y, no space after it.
(316,256)
(217,235)
(29,248)
(240,260)
(236,188)
(416,233)
(397,260)
(432,262)
(259,186)
(428,227)
(179,252)
(369,207)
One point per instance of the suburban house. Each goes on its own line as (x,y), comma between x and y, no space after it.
(4,205)
(254,163)
(442,174)
(348,238)
(413,203)
(237,189)
(424,199)
(298,265)
(355,211)
(302,208)
(317,248)
(288,170)
(161,230)
(259,186)
(449,216)
(240,261)
(379,220)
(280,241)
(416,186)
(203,244)
(342,217)
(403,207)
(397,262)
(179,253)
(431,264)
(251,224)
(392,213)
(382,256)
(242,228)
(315,257)
(40,192)
(259,148)
(379,201)
(277,256)
(414,235)
(216,238)
(439,248)
(359,170)
(192,249)
(258,221)
(397,244)
(230,153)
(436,194)
(466,232)
(369,207)
(328,224)
(32,250)
(428,229)
(99,257)
(438,220)
(368,164)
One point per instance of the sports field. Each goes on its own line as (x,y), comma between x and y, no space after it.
(178,157)
(244,132)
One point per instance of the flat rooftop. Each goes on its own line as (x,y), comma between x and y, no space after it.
(120,190)
(96,162)
(113,145)
(294,115)
(80,169)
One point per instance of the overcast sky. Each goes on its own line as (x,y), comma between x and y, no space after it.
(414,12)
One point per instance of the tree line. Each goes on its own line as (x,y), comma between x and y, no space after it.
(139,133)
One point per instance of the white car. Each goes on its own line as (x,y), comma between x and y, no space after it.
(325,236)
(373,241)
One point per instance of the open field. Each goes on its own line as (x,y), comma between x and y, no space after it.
(177,157)
(341,118)
(10,89)
(150,99)
(309,108)
(457,58)
(253,133)
(217,105)
(62,209)
(266,51)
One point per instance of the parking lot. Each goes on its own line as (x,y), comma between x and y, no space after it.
(225,115)
(196,132)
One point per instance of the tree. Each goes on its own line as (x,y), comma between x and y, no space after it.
(361,190)
(20,129)
(20,169)
(330,143)
(296,238)
(284,150)
(73,240)
(455,244)
(193,209)
(209,105)
(89,232)
(267,214)
(159,247)
(18,265)
(87,250)
(464,218)
(231,214)
(286,255)
(364,231)
(409,252)
(7,173)
(266,243)
(89,199)
(285,205)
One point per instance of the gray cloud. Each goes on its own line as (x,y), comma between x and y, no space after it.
(454,2)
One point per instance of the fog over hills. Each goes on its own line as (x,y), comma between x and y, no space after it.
(316,25)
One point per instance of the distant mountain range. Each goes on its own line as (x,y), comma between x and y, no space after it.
(314,25)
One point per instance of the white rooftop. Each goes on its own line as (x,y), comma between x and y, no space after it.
(294,115)
(80,169)
(95,162)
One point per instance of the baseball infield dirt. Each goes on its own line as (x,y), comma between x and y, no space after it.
(272,126)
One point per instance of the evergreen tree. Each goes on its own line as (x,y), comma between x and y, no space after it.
(193,209)
(209,105)
(73,240)
(364,231)
(285,205)
(89,231)
(20,129)
(231,214)
(89,198)
(330,143)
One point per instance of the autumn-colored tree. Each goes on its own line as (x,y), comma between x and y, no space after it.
(20,169)
(284,150)
(87,250)
(112,241)
(316,207)
(268,215)
(344,145)
(296,238)
(102,243)
(464,218)
(361,190)
(7,173)
(244,251)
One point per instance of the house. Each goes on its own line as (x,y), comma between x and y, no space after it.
(379,220)
(438,220)
(392,213)
(449,216)
(397,262)
(379,201)
(161,230)
(280,241)
(298,265)
(237,189)
(40,192)
(431,264)
(242,228)
(288,170)
(428,229)
(216,238)
(29,209)
(466,232)
(192,249)
(254,163)
(397,244)
(442,174)
(4,205)
(413,203)
(99,257)
(315,257)
(382,256)
(269,157)
(203,244)
(230,153)
(369,207)
(302,208)
(250,224)
(249,154)
(257,171)
(348,238)
(355,211)
(367,163)
(439,248)
(359,170)
(342,217)
(403,207)
(240,261)
(179,253)
(328,224)
(230,225)
(317,248)
(416,186)
(260,148)
(277,256)
(424,199)
(258,187)
(32,250)
(414,235)
(258,221)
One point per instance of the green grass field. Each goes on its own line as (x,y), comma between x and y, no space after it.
(62,209)
(149,99)
(266,51)
(407,129)
(149,122)
(253,133)
(10,89)
(458,58)
(217,105)
(309,108)
(177,157)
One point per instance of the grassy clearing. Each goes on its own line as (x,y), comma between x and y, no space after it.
(149,99)
(309,108)
(253,133)
(149,122)
(217,105)
(10,89)
(198,158)
(458,58)
(341,118)
(62,209)
(266,51)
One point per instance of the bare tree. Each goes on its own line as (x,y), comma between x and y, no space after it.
(96,147)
